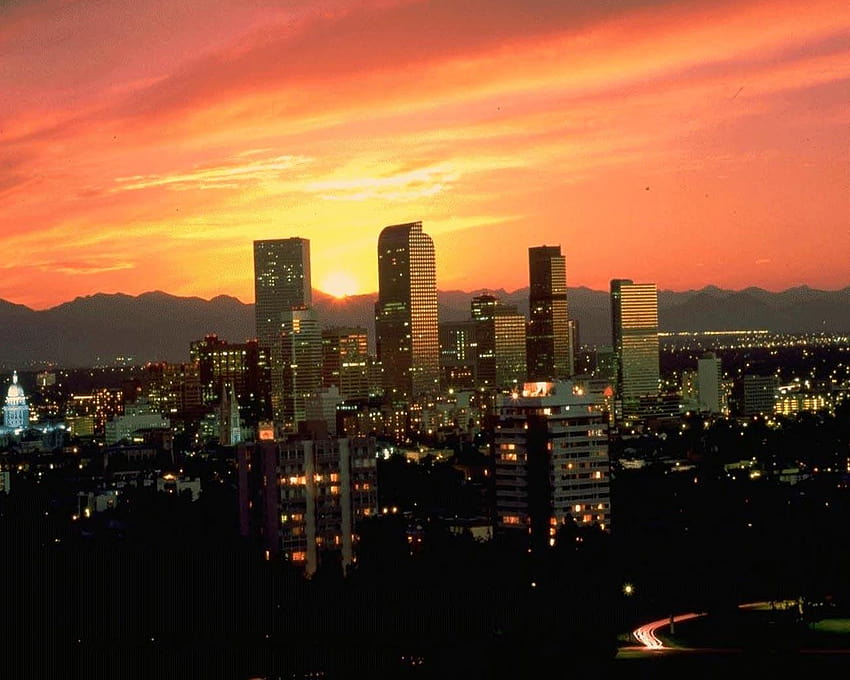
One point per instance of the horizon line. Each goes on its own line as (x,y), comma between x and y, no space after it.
(474,291)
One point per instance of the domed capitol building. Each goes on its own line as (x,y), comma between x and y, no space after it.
(16,412)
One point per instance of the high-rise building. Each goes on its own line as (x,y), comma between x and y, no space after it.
(302,499)
(634,323)
(458,353)
(246,366)
(501,343)
(281,282)
(549,352)
(345,357)
(172,389)
(301,361)
(710,384)
(760,394)
(406,325)
(482,306)
(551,460)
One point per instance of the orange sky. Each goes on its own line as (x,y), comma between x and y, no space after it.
(144,145)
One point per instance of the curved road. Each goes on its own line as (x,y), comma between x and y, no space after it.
(646,634)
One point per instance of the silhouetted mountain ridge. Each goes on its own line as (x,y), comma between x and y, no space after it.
(95,329)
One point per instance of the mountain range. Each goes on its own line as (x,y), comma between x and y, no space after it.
(156,326)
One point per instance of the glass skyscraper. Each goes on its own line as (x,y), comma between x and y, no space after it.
(281,282)
(501,360)
(406,329)
(548,348)
(634,322)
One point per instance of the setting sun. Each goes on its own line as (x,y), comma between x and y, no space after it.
(339,284)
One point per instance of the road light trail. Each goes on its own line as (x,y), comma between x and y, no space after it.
(646,633)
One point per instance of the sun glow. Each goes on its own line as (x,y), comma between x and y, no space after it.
(339,284)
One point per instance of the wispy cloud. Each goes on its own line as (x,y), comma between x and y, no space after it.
(403,186)
(85,269)
(225,176)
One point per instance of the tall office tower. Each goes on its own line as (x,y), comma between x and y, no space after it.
(281,282)
(172,389)
(634,323)
(760,394)
(406,326)
(550,449)
(458,354)
(301,359)
(710,388)
(246,366)
(304,498)
(482,306)
(549,353)
(345,361)
(501,342)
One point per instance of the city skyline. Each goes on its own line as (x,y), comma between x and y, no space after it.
(147,145)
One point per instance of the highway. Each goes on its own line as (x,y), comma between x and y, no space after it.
(647,637)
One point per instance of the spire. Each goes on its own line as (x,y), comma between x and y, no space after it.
(15,377)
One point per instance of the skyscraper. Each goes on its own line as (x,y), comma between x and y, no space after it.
(501,339)
(301,368)
(406,328)
(710,372)
(549,352)
(345,360)
(281,284)
(634,323)
(245,366)
(458,354)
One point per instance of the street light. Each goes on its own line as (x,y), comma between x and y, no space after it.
(628,589)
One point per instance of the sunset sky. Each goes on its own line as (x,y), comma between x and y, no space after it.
(144,145)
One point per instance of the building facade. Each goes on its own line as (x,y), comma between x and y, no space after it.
(710,384)
(246,366)
(281,281)
(760,394)
(550,453)
(501,343)
(634,324)
(301,368)
(458,354)
(140,415)
(16,411)
(302,499)
(548,347)
(406,324)
(345,361)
